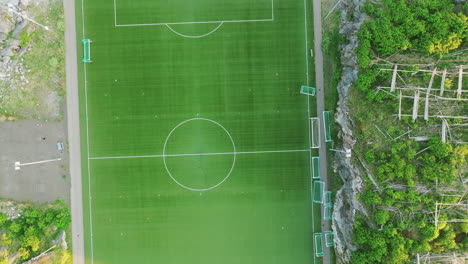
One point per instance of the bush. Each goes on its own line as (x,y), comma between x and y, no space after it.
(371,198)
(381,217)
(3,219)
(30,233)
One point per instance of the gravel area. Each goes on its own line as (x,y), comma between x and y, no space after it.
(29,141)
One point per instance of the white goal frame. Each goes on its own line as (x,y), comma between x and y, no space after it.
(314,132)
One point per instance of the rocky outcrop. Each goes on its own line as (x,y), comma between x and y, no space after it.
(61,240)
(11,27)
(346,204)
(11,209)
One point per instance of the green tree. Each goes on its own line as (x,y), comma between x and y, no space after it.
(3,219)
(371,198)
(381,217)
(16,227)
(62,219)
(429,233)
(370,156)
(5,239)
(31,241)
(464,227)
(23,253)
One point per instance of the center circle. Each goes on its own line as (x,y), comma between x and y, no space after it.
(199,154)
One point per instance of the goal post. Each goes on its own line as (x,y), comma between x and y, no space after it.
(326,126)
(307,90)
(329,238)
(328,199)
(318,245)
(315,167)
(327,212)
(314,132)
(319,187)
(327,206)
(87,50)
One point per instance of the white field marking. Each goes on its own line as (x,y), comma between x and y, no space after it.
(199,154)
(115,13)
(272,10)
(233,161)
(200,36)
(197,22)
(87,144)
(194,22)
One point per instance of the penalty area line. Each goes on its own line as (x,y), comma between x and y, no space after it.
(200,154)
(197,22)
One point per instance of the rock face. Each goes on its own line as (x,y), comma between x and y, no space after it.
(11,27)
(10,209)
(346,204)
(61,240)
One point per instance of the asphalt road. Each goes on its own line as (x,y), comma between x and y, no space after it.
(74,132)
(318,55)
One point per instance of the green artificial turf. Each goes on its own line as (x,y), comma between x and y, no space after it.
(177,11)
(206,104)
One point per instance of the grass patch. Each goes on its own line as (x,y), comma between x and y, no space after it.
(39,88)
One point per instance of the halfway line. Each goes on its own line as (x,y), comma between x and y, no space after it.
(200,154)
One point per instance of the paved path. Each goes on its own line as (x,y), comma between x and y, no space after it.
(74,133)
(320,108)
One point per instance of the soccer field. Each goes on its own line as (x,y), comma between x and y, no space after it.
(195,137)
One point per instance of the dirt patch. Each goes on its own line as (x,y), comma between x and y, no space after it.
(29,141)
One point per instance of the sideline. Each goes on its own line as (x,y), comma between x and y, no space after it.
(73,122)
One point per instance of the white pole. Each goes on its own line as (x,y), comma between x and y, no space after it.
(10,8)
(19,164)
(332,10)
(42,254)
(347,152)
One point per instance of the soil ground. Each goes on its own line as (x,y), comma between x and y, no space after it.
(29,141)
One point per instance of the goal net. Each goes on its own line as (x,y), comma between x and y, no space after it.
(319,187)
(326,125)
(329,238)
(314,132)
(318,244)
(87,50)
(307,90)
(315,167)
(327,212)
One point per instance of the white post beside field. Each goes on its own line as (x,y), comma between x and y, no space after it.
(10,8)
(19,164)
